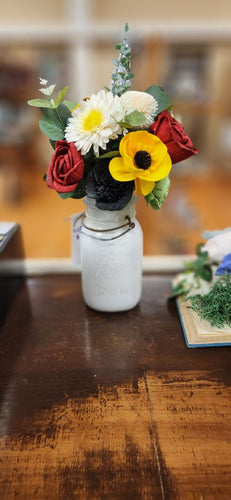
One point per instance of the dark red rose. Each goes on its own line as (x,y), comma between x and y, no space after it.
(66,168)
(171,132)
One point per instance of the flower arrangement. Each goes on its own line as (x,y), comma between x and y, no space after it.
(113,143)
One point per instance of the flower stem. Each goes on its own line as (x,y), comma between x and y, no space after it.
(59,118)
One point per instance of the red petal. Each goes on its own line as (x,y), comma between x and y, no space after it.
(179,152)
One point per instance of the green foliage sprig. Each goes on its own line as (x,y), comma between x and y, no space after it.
(53,102)
(200,268)
(55,111)
(121,78)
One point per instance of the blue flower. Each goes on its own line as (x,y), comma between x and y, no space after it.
(225,265)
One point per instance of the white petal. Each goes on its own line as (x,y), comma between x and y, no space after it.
(42,81)
(48,90)
(219,246)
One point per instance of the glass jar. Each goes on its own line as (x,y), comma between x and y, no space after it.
(111,247)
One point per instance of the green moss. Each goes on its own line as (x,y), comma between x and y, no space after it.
(215,306)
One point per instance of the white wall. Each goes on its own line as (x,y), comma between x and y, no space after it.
(32,11)
(168,10)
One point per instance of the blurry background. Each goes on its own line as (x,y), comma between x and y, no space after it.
(184,47)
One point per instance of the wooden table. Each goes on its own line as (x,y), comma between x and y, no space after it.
(108,406)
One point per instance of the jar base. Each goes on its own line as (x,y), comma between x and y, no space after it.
(112,309)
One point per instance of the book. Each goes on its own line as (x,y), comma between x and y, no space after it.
(199,332)
(7,230)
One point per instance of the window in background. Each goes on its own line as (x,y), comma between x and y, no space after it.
(20,68)
(196,77)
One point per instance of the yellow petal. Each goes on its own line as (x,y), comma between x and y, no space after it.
(134,141)
(154,173)
(144,187)
(119,172)
(162,169)
(125,169)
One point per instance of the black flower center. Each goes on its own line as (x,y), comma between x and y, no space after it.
(142,159)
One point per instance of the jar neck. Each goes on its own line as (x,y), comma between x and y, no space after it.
(108,218)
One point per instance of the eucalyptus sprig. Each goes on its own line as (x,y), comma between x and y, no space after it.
(121,78)
(48,90)
(55,111)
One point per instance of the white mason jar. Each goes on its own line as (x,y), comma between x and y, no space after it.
(111,246)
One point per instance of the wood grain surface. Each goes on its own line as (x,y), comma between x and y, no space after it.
(108,406)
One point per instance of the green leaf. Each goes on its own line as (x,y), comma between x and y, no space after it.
(71,104)
(110,154)
(51,129)
(189,266)
(157,196)
(52,143)
(198,248)
(40,103)
(135,118)
(125,125)
(160,95)
(179,289)
(206,273)
(200,266)
(63,114)
(51,115)
(58,115)
(61,95)
(44,177)
(54,121)
(149,197)
(200,262)
(64,196)
(204,254)
(80,191)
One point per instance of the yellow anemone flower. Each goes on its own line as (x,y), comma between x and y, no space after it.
(144,159)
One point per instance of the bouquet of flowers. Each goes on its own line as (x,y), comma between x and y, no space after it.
(114,142)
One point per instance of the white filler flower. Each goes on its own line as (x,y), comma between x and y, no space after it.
(218,246)
(94,122)
(141,101)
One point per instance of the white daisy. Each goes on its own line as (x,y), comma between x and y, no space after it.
(141,101)
(94,122)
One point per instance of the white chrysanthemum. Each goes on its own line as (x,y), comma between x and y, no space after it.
(94,122)
(141,101)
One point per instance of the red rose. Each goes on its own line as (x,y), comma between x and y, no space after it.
(66,168)
(171,132)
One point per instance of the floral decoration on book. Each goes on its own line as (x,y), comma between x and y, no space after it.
(114,142)
(212,265)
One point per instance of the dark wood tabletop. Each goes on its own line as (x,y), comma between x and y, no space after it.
(107,406)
